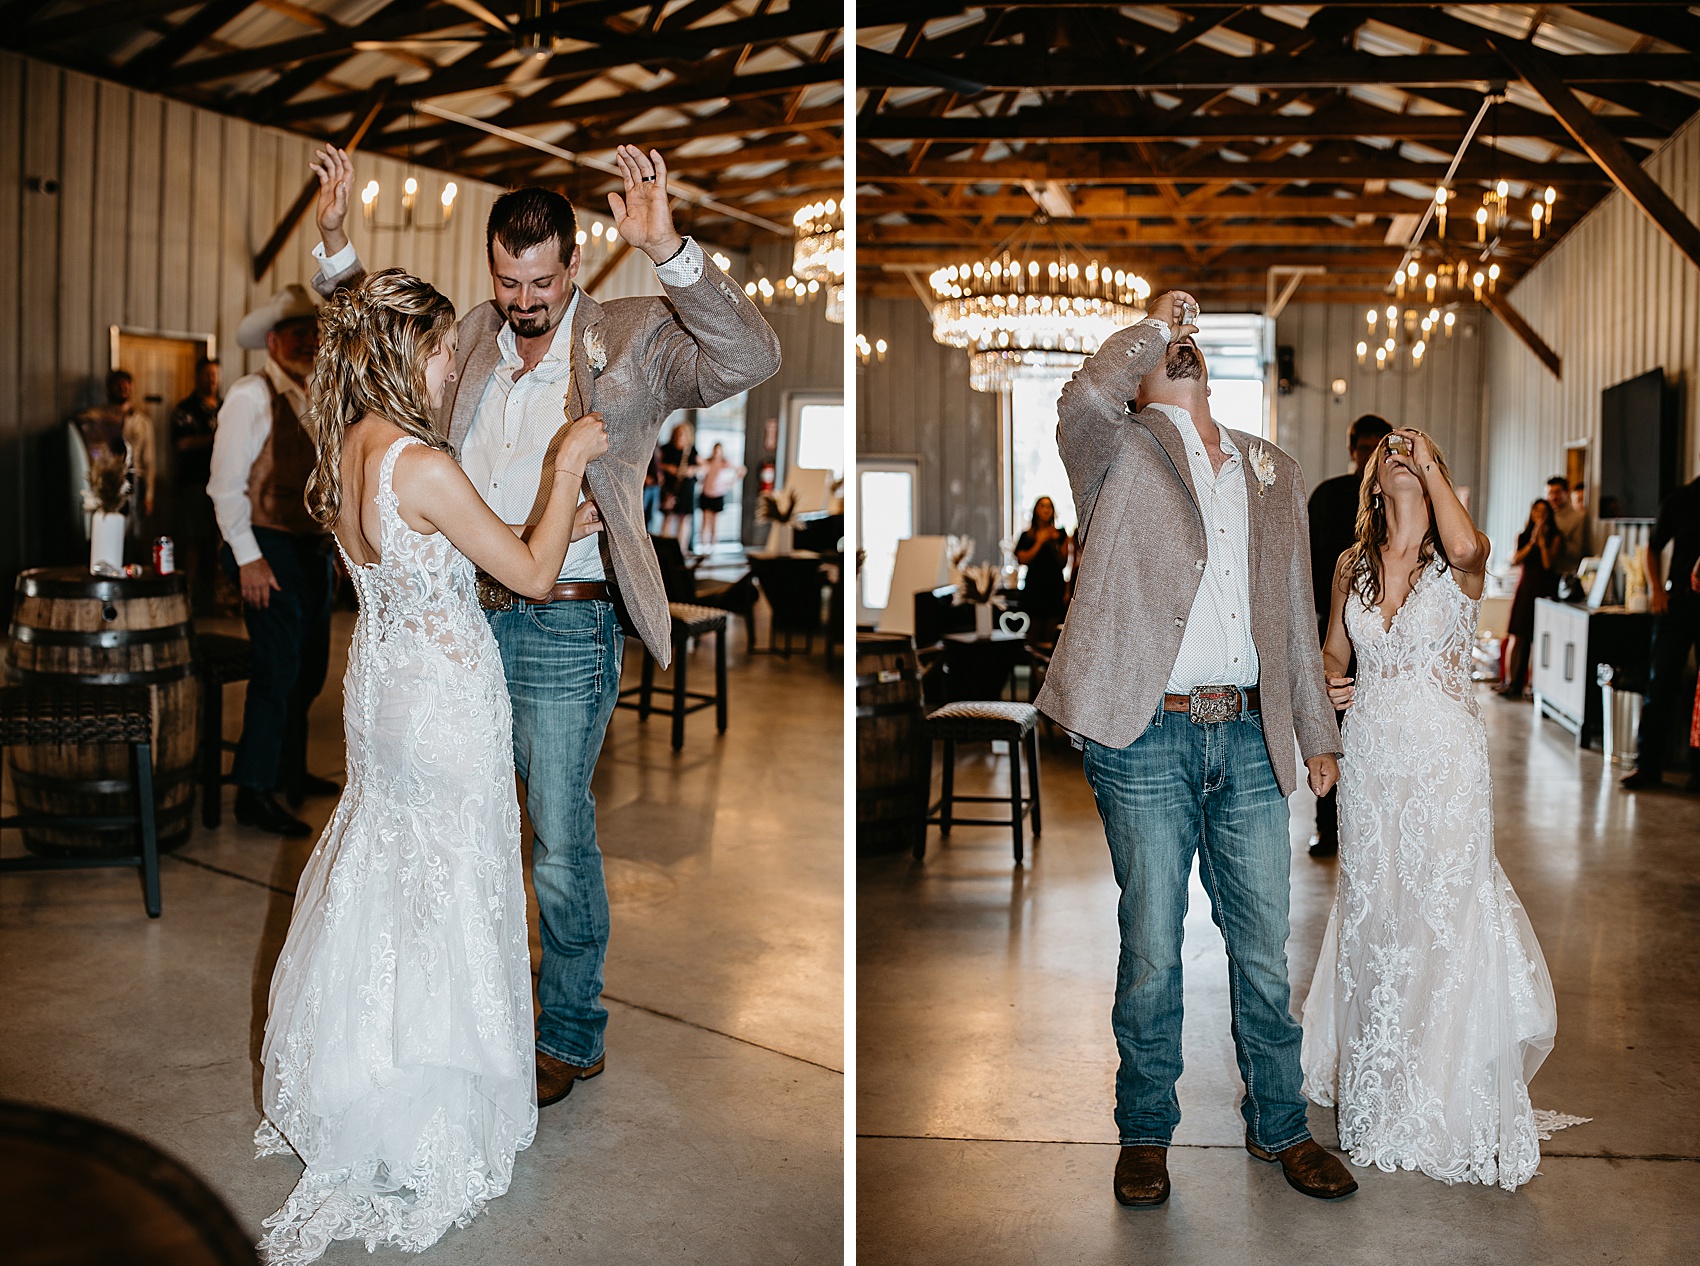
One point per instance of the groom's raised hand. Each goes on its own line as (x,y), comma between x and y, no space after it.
(335,170)
(642,216)
(1324,773)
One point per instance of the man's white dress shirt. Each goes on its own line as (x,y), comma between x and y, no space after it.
(517,417)
(244,424)
(1216,647)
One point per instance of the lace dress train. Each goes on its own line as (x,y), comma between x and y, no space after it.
(1431,1006)
(398,1048)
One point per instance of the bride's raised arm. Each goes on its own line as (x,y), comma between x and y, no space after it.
(1337,646)
(434,489)
(1466,546)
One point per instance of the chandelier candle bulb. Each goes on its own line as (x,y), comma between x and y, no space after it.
(1363,350)
(1493,277)
(1451,320)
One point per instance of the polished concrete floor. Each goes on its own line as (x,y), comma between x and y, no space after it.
(986,1064)
(714,1137)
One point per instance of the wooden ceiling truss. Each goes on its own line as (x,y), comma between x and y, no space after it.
(1202,145)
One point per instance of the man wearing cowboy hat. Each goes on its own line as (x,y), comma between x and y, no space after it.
(277,555)
(539,352)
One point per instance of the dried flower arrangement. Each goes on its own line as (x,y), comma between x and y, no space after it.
(108,489)
(977,584)
(776,507)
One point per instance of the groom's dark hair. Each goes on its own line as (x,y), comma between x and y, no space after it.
(526,218)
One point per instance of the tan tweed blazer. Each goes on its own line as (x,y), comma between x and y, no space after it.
(697,346)
(1141,565)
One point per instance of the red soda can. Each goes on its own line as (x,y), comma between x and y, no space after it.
(164,556)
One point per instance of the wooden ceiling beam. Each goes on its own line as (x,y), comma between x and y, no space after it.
(153,64)
(1539,73)
(1672,23)
(80,22)
(1016,68)
(1113,204)
(395,21)
(1109,232)
(1068,124)
(543,108)
(1088,166)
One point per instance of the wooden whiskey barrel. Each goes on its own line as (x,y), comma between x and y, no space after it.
(894,756)
(68,625)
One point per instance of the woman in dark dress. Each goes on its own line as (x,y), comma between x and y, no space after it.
(1538,548)
(679,484)
(1044,550)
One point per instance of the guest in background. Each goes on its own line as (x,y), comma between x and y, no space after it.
(1579,499)
(193,422)
(1572,525)
(652,490)
(278,556)
(1539,546)
(679,471)
(720,474)
(1045,550)
(1333,531)
(1676,629)
(116,427)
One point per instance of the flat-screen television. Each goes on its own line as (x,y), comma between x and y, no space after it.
(1637,447)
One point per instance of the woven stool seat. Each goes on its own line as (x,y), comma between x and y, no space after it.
(983,719)
(38,715)
(697,620)
(220,658)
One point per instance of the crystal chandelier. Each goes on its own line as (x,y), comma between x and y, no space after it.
(819,252)
(999,370)
(1033,309)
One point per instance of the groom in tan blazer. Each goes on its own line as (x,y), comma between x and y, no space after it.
(1188,663)
(538,353)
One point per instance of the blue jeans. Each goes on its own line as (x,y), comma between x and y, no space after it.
(563,667)
(1177,789)
(291,642)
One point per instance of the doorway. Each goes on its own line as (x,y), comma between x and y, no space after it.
(162,369)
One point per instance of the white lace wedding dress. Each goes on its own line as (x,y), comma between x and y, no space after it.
(1431,1007)
(398,1048)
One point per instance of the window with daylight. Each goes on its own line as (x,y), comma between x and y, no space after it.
(886,516)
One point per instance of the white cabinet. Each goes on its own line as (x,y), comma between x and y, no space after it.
(1559,661)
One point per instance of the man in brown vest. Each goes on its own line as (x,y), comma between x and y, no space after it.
(278,557)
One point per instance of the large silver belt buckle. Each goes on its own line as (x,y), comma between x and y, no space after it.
(1210,704)
(494,596)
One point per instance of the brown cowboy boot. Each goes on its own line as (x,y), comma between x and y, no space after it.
(1142,1176)
(555,1077)
(1310,1169)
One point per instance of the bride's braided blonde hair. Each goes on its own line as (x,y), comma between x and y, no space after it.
(374,341)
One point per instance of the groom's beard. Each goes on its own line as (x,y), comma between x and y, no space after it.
(1184,362)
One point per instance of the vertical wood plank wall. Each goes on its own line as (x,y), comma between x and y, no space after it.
(1614,299)
(918,404)
(159,211)
(812,360)
(1443,397)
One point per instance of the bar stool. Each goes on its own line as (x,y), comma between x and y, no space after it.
(219,658)
(35,716)
(689,621)
(981,721)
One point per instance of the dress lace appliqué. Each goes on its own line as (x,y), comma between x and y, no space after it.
(1431,1007)
(398,1050)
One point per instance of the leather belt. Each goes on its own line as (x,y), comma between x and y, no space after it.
(495,596)
(1207,704)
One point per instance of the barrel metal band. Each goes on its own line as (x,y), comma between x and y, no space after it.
(106,639)
(99,786)
(32,585)
(142,677)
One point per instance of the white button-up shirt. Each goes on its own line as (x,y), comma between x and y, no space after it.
(244,425)
(504,451)
(1216,647)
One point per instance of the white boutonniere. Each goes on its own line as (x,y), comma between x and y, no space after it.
(596,349)
(1263,467)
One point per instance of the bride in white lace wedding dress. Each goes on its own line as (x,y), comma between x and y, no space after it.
(398,1054)
(1431,1007)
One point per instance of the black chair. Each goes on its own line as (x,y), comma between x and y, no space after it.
(937,612)
(792,587)
(38,716)
(219,658)
(818,533)
(737,597)
(979,722)
(688,622)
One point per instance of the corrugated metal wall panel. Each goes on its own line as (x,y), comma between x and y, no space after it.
(918,403)
(1614,299)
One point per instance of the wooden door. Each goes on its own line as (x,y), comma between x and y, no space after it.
(163,368)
